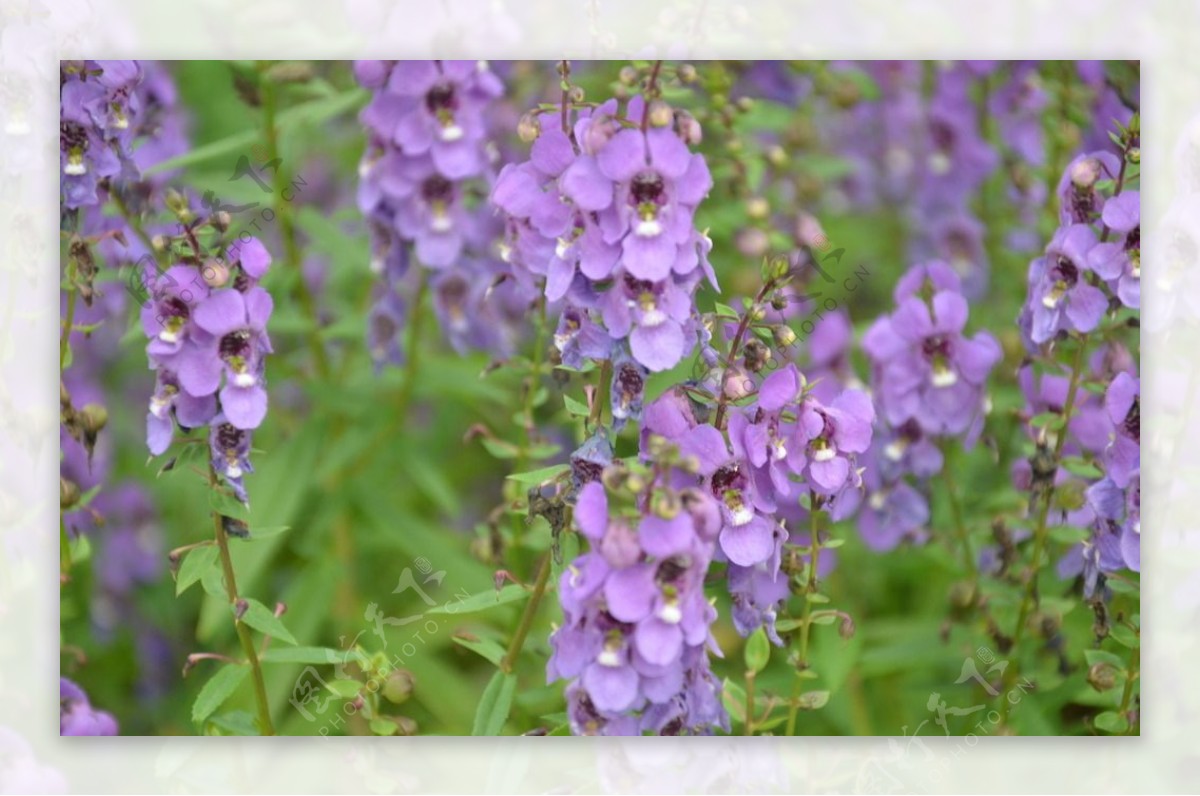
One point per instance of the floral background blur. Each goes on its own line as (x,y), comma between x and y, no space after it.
(615,398)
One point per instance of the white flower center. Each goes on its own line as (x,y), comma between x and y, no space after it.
(895,450)
(440,222)
(608,657)
(158,406)
(778,449)
(877,501)
(168,336)
(234,470)
(561,248)
(648,228)
(939,163)
(452,132)
(944,377)
(824,454)
(245,380)
(671,614)
(741,514)
(75,167)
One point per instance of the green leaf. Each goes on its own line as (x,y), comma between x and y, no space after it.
(382,726)
(224,503)
(1123,636)
(726,311)
(1067,535)
(1112,722)
(757,651)
(495,704)
(1050,420)
(488,648)
(265,532)
(262,619)
(346,689)
(542,476)
(482,601)
(306,655)
(813,700)
(195,564)
(235,722)
(734,698)
(310,112)
(213,581)
(499,448)
(1103,656)
(816,597)
(574,407)
(218,689)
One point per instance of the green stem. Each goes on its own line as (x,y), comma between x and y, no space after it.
(735,348)
(412,364)
(527,411)
(287,229)
(64,340)
(1130,676)
(243,633)
(748,725)
(957,512)
(527,617)
(806,617)
(1039,535)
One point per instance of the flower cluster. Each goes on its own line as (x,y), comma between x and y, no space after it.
(783,445)
(208,344)
(929,380)
(603,213)
(424,174)
(1091,266)
(98,113)
(76,716)
(636,637)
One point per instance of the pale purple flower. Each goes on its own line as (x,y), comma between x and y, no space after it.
(76,715)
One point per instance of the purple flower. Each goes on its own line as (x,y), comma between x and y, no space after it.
(1080,202)
(636,629)
(924,368)
(1119,263)
(98,102)
(76,715)
(1060,297)
(1122,402)
(229,447)
(238,344)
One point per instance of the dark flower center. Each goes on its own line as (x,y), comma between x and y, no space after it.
(637,287)
(229,437)
(1133,419)
(173,307)
(1065,271)
(1133,239)
(728,477)
(647,188)
(441,98)
(630,382)
(943,136)
(71,135)
(235,346)
(936,346)
(437,189)
(1083,204)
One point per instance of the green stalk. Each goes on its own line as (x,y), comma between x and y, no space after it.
(243,633)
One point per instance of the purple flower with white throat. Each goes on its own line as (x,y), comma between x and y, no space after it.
(1122,402)
(1080,201)
(229,447)
(925,369)
(1119,262)
(1060,296)
(170,403)
(237,325)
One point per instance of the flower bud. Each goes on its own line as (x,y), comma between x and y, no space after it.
(399,686)
(752,242)
(686,73)
(1135,155)
(1085,173)
(783,334)
(575,95)
(777,156)
(1102,676)
(846,628)
(758,207)
(738,383)
(68,493)
(215,273)
(93,418)
(689,128)
(661,114)
(529,127)
(627,76)
(665,504)
(745,103)
(756,355)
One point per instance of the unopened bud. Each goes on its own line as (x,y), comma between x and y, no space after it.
(846,628)
(1085,173)
(777,155)
(158,242)
(756,355)
(529,128)
(745,103)
(784,336)
(575,95)
(635,483)
(962,594)
(1102,676)
(665,504)
(215,273)
(738,383)
(661,114)
(689,128)
(93,418)
(686,73)
(1135,155)
(758,207)
(399,686)
(778,268)
(68,493)
(627,76)
(405,725)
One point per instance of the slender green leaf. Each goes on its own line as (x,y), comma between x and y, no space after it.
(197,562)
(218,689)
(482,601)
(262,619)
(495,704)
